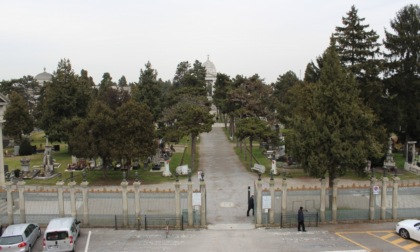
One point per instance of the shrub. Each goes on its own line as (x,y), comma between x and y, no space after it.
(25,147)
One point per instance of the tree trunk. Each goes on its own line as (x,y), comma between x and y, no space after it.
(250,152)
(245,152)
(105,166)
(232,126)
(193,143)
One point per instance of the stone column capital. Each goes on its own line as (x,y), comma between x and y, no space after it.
(21,184)
(72,184)
(396,179)
(137,185)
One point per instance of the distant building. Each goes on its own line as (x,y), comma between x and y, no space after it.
(43,77)
(211,75)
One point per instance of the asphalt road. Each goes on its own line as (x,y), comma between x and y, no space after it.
(348,237)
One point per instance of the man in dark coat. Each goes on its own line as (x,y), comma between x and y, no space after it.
(250,205)
(301,221)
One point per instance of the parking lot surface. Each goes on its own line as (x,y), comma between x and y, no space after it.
(332,238)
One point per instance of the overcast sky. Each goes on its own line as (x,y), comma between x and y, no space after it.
(268,37)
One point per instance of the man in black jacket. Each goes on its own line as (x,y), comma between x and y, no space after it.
(250,205)
(301,220)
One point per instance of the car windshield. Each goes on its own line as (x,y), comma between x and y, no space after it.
(11,240)
(59,235)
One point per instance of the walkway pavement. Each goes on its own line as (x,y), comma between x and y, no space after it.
(226,181)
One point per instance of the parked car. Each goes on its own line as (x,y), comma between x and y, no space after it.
(19,237)
(61,234)
(409,229)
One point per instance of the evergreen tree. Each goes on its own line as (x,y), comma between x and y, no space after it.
(337,131)
(111,94)
(136,132)
(355,45)
(359,51)
(313,71)
(63,99)
(149,91)
(188,80)
(283,84)
(18,119)
(26,86)
(122,82)
(190,116)
(222,84)
(403,64)
(254,129)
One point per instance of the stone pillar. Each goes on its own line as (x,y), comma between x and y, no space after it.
(9,190)
(283,197)
(178,203)
(84,185)
(124,185)
(396,181)
(22,211)
(383,197)
(334,201)
(60,185)
(190,206)
(322,200)
(72,186)
(271,215)
(203,212)
(372,199)
(136,185)
(3,103)
(259,202)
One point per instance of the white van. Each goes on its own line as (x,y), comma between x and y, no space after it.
(61,234)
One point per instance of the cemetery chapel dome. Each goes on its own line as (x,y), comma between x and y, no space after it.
(210,68)
(43,77)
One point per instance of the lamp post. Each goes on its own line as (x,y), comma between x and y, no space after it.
(4,101)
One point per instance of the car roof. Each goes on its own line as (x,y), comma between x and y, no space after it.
(60,224)
(16,229)
(409,221)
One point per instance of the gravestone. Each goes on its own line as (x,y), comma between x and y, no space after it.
(182,170)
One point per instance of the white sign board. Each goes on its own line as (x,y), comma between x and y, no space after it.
(266,202)
(376,189)
(196,199)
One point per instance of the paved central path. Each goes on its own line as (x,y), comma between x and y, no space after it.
(226,180)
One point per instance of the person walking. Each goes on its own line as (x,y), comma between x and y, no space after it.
(250,205)
(301,220)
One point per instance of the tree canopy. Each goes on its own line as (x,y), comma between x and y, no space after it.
(17,117)
(63,99)
(403,64)
(337,131)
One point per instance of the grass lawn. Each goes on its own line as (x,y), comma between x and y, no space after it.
(298,173)
(94,177)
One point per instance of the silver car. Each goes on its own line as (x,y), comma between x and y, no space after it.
(19,237)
